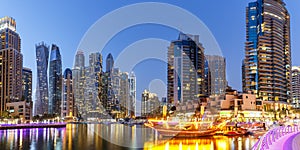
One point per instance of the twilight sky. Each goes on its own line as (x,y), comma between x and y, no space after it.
(66,22)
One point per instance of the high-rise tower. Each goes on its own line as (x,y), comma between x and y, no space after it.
(267,63)
(295,87)
(186,74)
(55,81)
(79,83)
(109,63)
(217,68)
(11,63)
(42,58)
(67,105)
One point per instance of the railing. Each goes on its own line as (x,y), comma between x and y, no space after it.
(273,135)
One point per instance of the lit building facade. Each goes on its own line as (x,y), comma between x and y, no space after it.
(42,58)
(295,87)
(93,86)
(55,81)
(67,105)
(217,68)
(27,94)
(267,63)
(124,94)
(150,104)
(132,94)
(78,73)
(11,64)
(186,76)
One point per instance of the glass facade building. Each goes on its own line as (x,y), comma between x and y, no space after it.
(79,83)
(55,81)
(217,68)
(93,86)
(267,62)
(11,63)
(42,59)
(186,74)
(67,105)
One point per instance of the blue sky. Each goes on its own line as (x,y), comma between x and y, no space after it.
(65,23)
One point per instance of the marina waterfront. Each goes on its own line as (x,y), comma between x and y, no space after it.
(113,136)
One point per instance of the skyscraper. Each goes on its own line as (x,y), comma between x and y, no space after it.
(295,87)
(67,105)
(55,81)
(124,94)
(217,68)
(109,63)
(93,85)
(267,62)
(27,84)
(186,69)
(150,104)
(79,83)
(27,93)
(11,64)
(42,58)
(132,94)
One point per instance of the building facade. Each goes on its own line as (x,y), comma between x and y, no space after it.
(267,63)
(55,81)
(295,87)
(11,64)
(109,63)
(186,77)
(67,105)
(132,94)
(93,86)
(27,94)
(42,58)
(217,68)
(78,73)
(150,104)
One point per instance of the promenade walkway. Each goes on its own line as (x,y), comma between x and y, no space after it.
(280,138)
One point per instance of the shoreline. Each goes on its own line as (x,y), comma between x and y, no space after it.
(32,125)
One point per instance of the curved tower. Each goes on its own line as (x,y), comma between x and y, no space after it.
(267,62)
(55,81)
(42,57)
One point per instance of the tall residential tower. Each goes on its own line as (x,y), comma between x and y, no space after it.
(11,63)
(267,63)
(55,81)
(42,58)
(186,74)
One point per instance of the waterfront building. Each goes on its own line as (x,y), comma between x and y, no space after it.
(103,95)
(186,76)
(267,62)
(132,94)
(67,105)
(27,94)
(55,81)
(11,65)
(217,69)
(93,86)
(150,104)
(42,58)
(125,103)
(295,87)
(116,89)
(78,73)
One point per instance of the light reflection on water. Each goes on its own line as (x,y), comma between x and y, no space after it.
(120,137)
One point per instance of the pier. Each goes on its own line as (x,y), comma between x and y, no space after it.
(32,125)
(281,138)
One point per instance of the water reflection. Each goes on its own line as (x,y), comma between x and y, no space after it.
(120,137)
